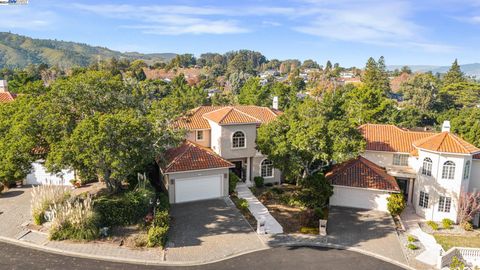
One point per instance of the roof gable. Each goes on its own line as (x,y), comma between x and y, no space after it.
(446,142)
(230,115)
(362,173)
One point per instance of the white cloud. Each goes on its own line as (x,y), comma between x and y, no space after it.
(23,17)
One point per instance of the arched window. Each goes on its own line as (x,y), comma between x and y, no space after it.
(466,170)
(238,140)
(427,167)
(448,171)
(266,168)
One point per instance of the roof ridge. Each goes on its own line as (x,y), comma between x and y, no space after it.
(180,155)
(251,116)
(225,115)
(459,141)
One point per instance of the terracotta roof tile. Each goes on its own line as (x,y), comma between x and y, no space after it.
(230,115)
(190,157)
(7,97)
(195,119)
(362,173)
(446,142)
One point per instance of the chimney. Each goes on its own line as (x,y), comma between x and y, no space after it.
(3,86)
(275,103)
(446,126)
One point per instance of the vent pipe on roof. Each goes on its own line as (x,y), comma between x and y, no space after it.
(446,126)
(275,103)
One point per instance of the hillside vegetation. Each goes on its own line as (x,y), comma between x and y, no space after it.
(18,51)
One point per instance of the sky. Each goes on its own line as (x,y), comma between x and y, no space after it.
(414,32)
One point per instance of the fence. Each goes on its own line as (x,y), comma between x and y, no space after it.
(470,256)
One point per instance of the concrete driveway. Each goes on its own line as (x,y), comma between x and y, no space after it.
(14,211)
(208,230)
(372,231)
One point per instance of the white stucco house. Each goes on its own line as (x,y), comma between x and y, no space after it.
(40,176)
(431,169)
(219,140)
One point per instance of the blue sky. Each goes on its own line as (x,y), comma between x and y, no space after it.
(346,31)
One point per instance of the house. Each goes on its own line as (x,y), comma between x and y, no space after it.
(219,140)
(5,96)
(431,169)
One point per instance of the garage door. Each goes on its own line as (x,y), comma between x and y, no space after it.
(198,188)
(359,198)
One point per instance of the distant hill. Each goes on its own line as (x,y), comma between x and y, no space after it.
(469,69)
(20,51)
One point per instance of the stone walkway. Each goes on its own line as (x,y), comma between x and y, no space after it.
(258,210)
(432,250)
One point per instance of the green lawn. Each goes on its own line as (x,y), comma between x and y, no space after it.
(449,241)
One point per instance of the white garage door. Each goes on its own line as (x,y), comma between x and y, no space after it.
(198,188)
(40,176)
(359,198)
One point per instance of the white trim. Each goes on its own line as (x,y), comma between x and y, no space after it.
(448,153)
(244,139)
(393,152)
(168,173)
(370,189)
(273,170)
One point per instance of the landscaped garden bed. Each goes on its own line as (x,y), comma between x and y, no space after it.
(448,241)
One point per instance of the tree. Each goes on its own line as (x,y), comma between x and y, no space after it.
(111,145)
(469,206)
(309,63)
(459,95)
(375,75)
(466,123)
(253,93)
(298,149)
(368,105)
(454,75)
(316,191)
(420,91)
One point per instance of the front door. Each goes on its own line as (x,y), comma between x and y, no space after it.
(403,184)
(238,170)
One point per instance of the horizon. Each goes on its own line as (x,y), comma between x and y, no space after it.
(348,32)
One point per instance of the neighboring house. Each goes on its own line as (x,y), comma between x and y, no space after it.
(5,96)
(219,140)
(431,169)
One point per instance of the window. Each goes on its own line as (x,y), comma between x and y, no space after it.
(448,171)
(266,168)
(444,204)
(238,140)
(400,160)
(427,167)
(199,135)
(466,170)
(423,201)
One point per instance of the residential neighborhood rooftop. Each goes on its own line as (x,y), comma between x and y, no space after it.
(446,142)
(230,115)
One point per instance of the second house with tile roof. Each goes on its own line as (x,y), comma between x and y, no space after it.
(219,140)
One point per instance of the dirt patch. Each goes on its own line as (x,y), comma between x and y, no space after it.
(129,236)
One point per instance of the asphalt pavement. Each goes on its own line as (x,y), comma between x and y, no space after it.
(283,258)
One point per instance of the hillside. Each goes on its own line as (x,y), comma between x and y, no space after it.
(469,69)
(20,51)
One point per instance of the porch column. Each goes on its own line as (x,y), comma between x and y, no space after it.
(247,178)
(410,191)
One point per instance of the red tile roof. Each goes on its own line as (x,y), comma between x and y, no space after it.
(7,97)
(191,157)
(446,142)
(195,119)
(362,173)
(230,115)
(477,156)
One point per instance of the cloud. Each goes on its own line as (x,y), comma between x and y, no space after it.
(24,17)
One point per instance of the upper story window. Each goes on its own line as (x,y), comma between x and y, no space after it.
(423,200)
(200,135)
(400,160)
(427,167)
(466,170)
(266,168)
(448,171)
(238,139)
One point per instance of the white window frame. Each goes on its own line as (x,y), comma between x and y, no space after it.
(262,167)
(244,140)
(427,166)
(197,132)
(466,170)
(400,160)
(444,204)
(423,199)
(448,170)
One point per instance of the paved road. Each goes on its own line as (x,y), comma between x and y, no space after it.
(16,257)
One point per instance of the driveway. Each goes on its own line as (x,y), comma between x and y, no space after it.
(372,231)
(208,230)
(14,211)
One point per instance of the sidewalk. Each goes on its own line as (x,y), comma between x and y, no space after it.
(258,210)
(432,249)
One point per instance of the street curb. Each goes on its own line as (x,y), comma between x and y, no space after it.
(361,251)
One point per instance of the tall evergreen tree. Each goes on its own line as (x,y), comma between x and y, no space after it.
(454,75)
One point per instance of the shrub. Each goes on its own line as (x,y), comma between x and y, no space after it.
(140,240)
(319,213)
(412,246)
(157,236)
(309,230)
(161,219)
(124,209)
(411,238)
(432,225)
(447,223)
(277,190)
(308,218)
(43,197)
(467,226)
(316,191)
(259,181)
(74,220)
(457,264)
(396,204)
(232,182)
(292,200)
(242,204)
